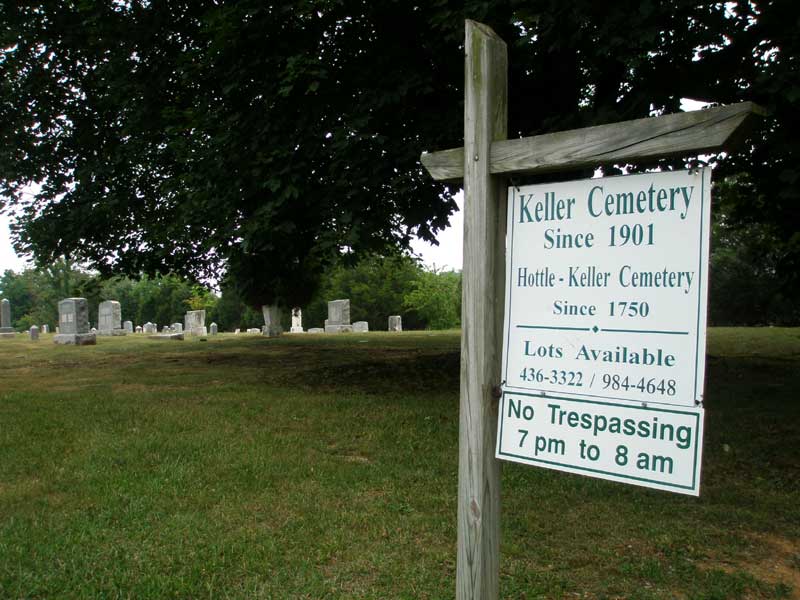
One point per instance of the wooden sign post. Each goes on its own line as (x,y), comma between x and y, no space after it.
(487,156)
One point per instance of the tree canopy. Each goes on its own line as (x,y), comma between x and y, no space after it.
(262,141)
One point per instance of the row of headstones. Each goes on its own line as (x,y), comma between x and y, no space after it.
(73,316)
(338,320)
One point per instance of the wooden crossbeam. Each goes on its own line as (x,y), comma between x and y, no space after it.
(678,134)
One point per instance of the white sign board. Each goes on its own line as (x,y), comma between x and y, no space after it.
(652,446)
(606,290)
(607,287)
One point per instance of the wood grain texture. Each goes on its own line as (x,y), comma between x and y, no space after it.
(678,134)
(485,121)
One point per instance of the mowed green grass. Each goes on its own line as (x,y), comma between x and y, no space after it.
(326,467)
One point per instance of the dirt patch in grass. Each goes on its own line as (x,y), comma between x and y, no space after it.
(775,560)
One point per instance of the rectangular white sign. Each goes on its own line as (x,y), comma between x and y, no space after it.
(607,288)
(653,446)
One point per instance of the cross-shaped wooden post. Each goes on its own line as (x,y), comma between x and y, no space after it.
(487,156)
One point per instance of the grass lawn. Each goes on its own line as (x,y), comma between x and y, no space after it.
(325,467)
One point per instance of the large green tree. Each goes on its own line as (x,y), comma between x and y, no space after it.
(263,140)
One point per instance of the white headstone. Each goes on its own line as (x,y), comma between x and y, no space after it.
(395,323)
(213,329)
(73,323)
(316,330)
(360,327)
(297,321)
(338,320)
(109,318)
(139,329)
(195,322)
(128,326)
(45,328)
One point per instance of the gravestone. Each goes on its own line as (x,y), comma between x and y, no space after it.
(73,322)
(128,326)
(237,332)
(6,330)
(109,318)
(139,329)
(150,328)
(395,323)
(34,333)
(195,323)
(316,330)
(360,327)
(166,329)
(166,336)
(213,329)
(45,328)
(297,321)
(177,327)
(272,320)
(254,330)
(338,320)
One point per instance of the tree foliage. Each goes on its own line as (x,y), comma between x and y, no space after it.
(263,141)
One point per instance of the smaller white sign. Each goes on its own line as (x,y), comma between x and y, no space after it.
(652,446)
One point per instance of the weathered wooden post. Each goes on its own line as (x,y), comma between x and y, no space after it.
(486,158)
(485,121)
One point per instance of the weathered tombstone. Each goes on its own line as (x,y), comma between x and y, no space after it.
(73,322)
(272,320)
(338,320)
(166,336)
(360,327)
(6,330)
(316,330)
(177,327)
(254,330)
(213,329)
(237,331)
(150,328)
(195,322)
(45,328)
(166,329)
(34,333)
(109,318)
(395,323)
(128,326)
(139,329)
(297,321)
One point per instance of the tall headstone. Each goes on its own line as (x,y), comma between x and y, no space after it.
(338,320)
(6,330)
(109,318)
(213,329)
(395,323)
(45,328)
(73,322)
(34,333)
(272,320)
(297,321)
(195,322)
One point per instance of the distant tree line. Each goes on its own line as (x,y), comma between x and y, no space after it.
(376,286)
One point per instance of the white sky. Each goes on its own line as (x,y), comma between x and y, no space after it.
(8,259)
